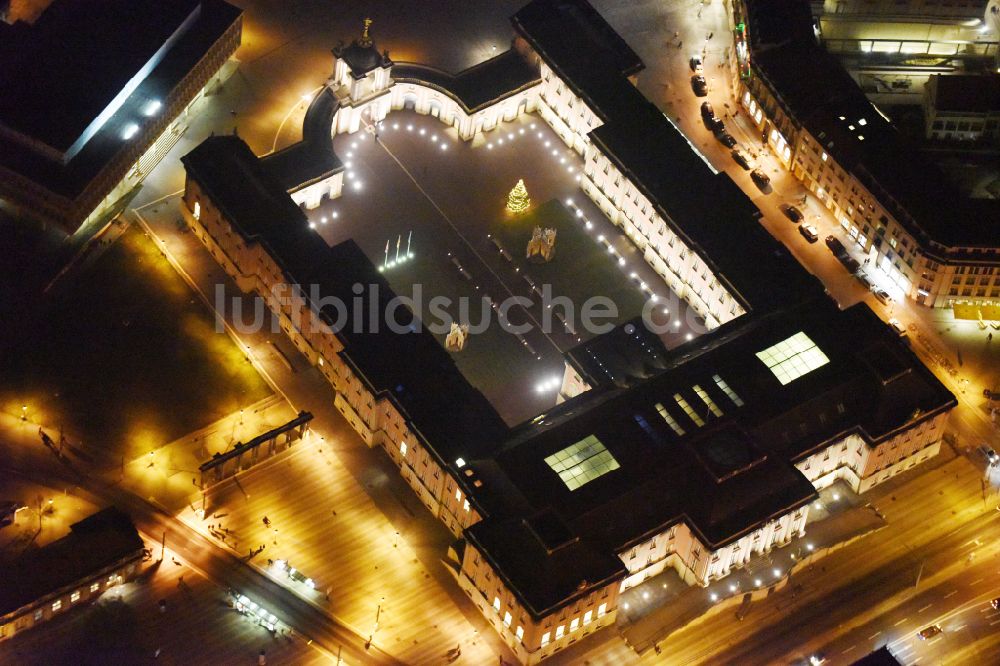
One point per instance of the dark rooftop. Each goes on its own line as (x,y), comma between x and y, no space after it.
(61,72)
(973,93)
(880,657)
(818,92)
(477,86)
(362,56)
(311,159)
(704,207)
(725,477)
(94,543)
(69,65)
(627,355)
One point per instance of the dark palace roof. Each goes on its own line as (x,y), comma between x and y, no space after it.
(362,58)
(94,543)
(313,158)
(725,478)
(477,86)
(819,93)
(705,208)
(68,66)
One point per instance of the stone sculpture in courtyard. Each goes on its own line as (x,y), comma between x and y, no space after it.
(542,246)
(455,341)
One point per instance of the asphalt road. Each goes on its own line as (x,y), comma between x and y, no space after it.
(229,572)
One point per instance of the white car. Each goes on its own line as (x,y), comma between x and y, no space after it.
(898,327)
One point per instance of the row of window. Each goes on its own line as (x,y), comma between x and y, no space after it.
(574,624)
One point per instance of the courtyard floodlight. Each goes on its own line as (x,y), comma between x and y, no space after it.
(409,128)
(422,131)
(589,225)
(444,146)
(130,131)
(554,152)
(347,164)
(777,573)
(677,324)
(312,225)
(579,213)
(350,154)
(520,131)
(713,596)
(434,138)
(532,125)
(562,160)
(548,143)
(152,108)
(500,142)
(323,219)
(489,146)
(336,215)
(689,337)
(357,184)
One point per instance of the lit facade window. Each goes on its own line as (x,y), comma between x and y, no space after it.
(560,631)
(496,604)
(95,587)
(825,157)
(465,505)
(458,495)
(519,632)
(602,610)
(197,210)
(588,617)
(507,619)
(56,605)
(574,625)
(73,598)
(402,448)
(793,357)
(546,638)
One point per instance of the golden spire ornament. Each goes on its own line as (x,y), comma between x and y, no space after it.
(518,200)
(365,39)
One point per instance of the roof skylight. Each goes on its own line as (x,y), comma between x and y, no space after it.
(793,357)
(582,462)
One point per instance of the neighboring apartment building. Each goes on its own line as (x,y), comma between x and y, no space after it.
(892,47)
(963,108)
(79,130)
(935,245)
(100,552)
(694,459)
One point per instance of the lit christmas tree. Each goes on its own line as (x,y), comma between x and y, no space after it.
(518,199)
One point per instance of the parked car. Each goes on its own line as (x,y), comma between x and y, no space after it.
(883,296)
(991,395)
(929,632)
(760,178)
(992,457)
(699,85)
(849,262)
(707,111)
(834,244)
(724,137)
(791,212)
(695,63)
(865,281)
(714,125)
(742,159)
(995,603)
(898,327)
(809,232)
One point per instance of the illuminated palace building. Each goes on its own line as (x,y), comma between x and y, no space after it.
(696,458)
(936,245)
(95,94)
